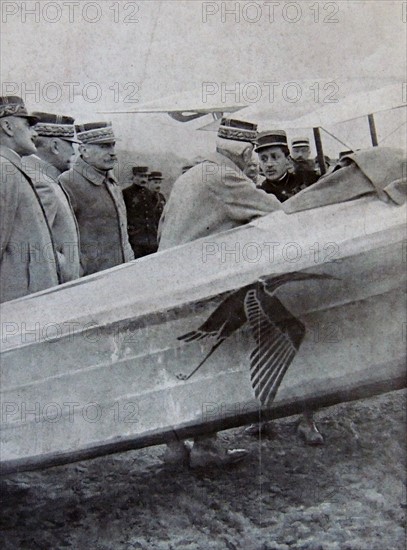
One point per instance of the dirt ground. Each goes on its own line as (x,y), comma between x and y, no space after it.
(348,495)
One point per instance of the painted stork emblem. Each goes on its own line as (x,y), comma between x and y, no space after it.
(277,333)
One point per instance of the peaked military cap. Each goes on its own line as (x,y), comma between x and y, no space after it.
(300,142)
(237,130)
(95,133)
(12,105)
(271,138)
(155,176)
(50,125)
(140,170)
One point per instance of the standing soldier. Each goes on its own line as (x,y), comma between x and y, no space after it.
(27,255)
(97,200)
(304,165)
(274,158)
(154,184)
(212,197)
(144,209)
(56,135)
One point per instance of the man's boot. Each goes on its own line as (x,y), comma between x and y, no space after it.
(176,453)
(207,451)
(308,431)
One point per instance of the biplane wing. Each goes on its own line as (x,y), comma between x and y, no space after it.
(356,106)
(339,110)
(283,99)
(186,106)
(309,113)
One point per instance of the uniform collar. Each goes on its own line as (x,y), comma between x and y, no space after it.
(139,189)
(277,183)
(282,179)
(91,173)
(10,155)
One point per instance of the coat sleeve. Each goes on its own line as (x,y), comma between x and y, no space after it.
(241,198)
(9,191)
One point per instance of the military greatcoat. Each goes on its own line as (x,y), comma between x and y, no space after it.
(97,201)
(27,255)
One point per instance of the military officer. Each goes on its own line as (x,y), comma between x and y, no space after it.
(304,165)
(274,159)
(273,152)
(97,200)
(215,195)
(144,209)
(154,184)
(56,135)
(154,181)
(27,254)
(207,199)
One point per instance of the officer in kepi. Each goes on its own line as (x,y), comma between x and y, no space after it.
(143,210)
(155,179)
(97,200)
(304,165)
(274,158)
(28,261)
(154,184)
(56,136)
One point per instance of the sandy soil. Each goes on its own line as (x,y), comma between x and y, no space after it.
(348,495)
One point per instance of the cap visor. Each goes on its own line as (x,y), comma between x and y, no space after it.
(268,145)
(99,141)
(32,119)
(71,140)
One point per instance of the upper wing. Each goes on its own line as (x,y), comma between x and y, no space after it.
(191,104)
(277,343)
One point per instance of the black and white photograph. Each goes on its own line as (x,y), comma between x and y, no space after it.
(203,274)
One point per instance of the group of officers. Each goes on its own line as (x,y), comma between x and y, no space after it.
(61,220)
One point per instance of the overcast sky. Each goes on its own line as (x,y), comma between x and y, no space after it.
(147,50)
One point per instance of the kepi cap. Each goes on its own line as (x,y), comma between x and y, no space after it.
(140,170)
(155,176)
(60,126)
(237,130)
(271,138)
(12,105)
(95,133)
(300,142)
